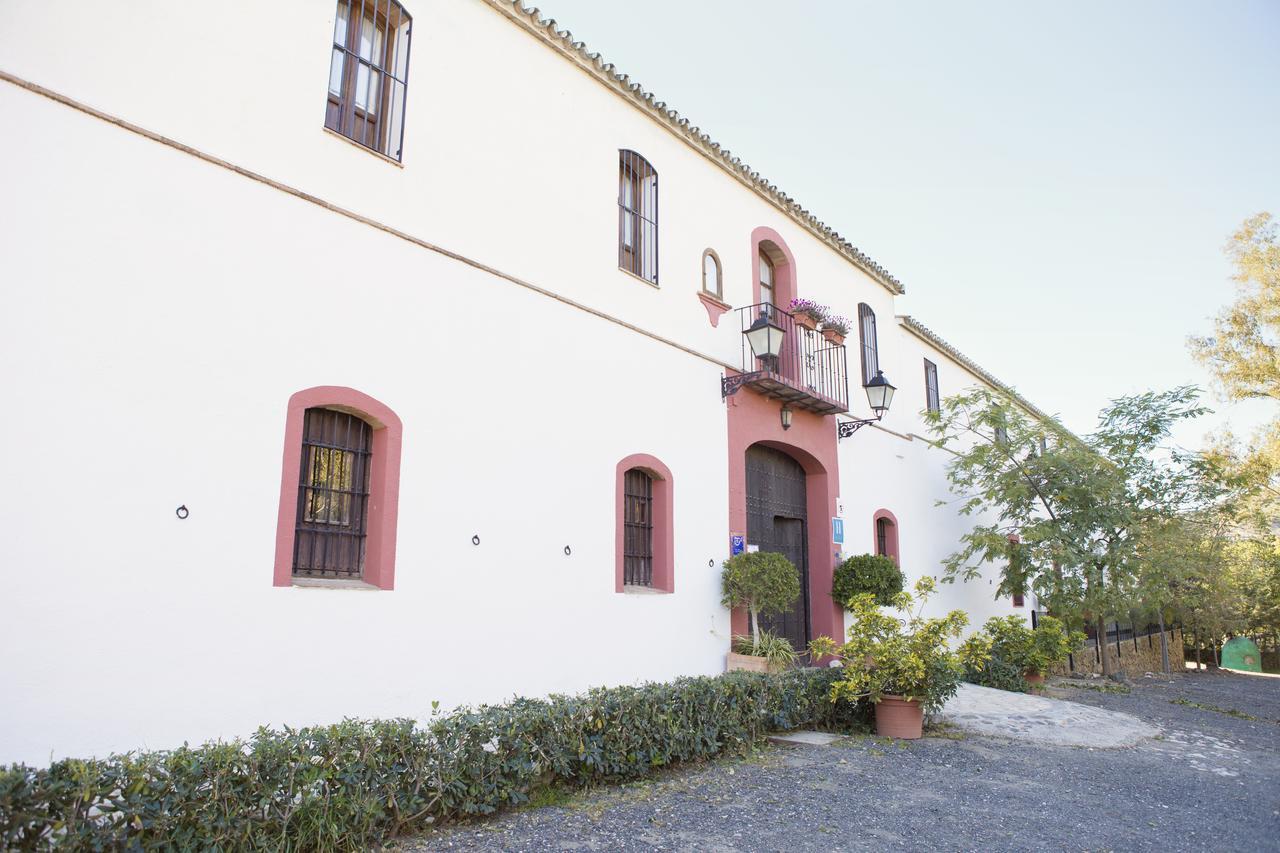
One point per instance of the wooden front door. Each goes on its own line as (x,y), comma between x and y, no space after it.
(777,522)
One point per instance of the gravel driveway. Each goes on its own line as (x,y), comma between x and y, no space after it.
(1211,781)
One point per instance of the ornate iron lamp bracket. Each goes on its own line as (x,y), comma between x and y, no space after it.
(844,429)
(729,385)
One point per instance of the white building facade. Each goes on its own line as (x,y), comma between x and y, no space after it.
(371,366)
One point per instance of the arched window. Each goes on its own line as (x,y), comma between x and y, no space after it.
(867,336)
(711,280)
(767,279)
(885,526)
(369,74)
(637,216)
(645,540)
(339,490)
(932,399)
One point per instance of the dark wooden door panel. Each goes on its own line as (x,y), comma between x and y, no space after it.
(777,522)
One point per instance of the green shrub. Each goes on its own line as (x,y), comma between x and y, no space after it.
(866,574)
(355,784)
(999,674)
(1015,648)
(762,582)
(888,656)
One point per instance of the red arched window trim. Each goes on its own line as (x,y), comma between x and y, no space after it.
(663,521)
(891,548)
(784,266)
(384,480)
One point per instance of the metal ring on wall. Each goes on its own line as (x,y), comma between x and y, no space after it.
(567,550)
(475,540)
(182,511)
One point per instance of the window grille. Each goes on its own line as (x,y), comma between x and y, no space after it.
(882,536)
(637,216)
(870,349)
(1002,435)
(932,400)
(333,495)
(637,551)
(369,74)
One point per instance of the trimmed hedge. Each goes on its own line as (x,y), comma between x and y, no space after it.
(356,784)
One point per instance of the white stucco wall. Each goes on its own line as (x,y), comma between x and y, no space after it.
(160,310)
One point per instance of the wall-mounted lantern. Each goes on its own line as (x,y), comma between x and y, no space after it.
(765,337)
(786,416)
(879,396)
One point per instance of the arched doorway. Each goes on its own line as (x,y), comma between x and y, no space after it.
(778,522)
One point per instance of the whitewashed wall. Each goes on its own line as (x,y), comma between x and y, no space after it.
(159,312)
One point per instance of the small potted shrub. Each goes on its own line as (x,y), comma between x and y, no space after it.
(835,328)
(867,573)
(905,666)
(807,313)
(1017,655)
(762,582)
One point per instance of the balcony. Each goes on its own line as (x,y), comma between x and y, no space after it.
(807,373)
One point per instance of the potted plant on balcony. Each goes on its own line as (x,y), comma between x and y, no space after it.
(762,582)
(905,666)
(807,313)
(835,328)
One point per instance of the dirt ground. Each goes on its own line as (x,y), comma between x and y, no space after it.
(1209,781)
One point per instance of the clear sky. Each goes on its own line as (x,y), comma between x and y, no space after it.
(1053,182)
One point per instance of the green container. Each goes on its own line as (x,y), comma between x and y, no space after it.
(1241,653)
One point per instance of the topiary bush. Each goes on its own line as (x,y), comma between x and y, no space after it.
(762,582)
(356,784)
(867,574)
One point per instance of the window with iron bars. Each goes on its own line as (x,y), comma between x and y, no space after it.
(931,398)
(333,495)
(637,216)
(369,74)
(637,549)
(867,335)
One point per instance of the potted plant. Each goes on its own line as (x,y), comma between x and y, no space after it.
(770,653)
(835,328)
(1017,656)
(807,313)
(762,582)
(905,666)
(869,573)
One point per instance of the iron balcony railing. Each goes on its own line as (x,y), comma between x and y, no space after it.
(809,372)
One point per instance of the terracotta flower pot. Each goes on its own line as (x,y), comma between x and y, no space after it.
(1034,677)
(833,337)
(899,717)
(806,321)
(735,662)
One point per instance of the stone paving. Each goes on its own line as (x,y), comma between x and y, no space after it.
(1020,716)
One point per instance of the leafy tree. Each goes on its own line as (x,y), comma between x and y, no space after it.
(1063,515)
(874,574)
(1243,354)
(762,582)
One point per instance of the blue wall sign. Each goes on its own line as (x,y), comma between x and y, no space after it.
(837,531)
(737,544)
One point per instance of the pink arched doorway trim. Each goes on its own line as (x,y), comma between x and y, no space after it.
(890,535)
(384,480)
(811,441)
(664,549)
